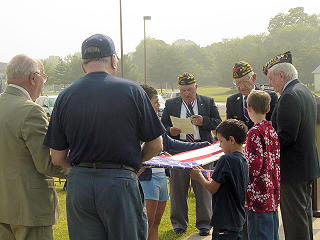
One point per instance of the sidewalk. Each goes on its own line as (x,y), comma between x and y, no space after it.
(316,231)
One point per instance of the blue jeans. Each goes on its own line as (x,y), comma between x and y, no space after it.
(105,204)
(263,226)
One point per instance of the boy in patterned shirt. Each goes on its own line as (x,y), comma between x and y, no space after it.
(262,151)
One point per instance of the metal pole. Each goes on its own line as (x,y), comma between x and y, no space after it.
(145,52)
(145,48)
(121,42)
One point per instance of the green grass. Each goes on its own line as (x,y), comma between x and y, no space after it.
(166,232)
(219,94)
(60,230)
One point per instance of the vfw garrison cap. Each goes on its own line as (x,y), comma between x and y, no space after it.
(281,58)
(241,69)
(186,79)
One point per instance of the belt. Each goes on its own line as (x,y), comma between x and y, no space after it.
(99,165)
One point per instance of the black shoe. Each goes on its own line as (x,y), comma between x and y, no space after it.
(204,232)
(179,230)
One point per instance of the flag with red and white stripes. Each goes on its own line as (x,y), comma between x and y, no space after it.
(186,160)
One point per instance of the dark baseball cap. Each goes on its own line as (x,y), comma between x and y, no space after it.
(103,42)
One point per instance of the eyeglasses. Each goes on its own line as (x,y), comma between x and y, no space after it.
(45,78)
(244,82)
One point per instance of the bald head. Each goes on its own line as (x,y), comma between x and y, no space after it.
(21,66)
(25,71)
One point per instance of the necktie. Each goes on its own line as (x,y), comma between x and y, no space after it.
(189,137)
(245,111)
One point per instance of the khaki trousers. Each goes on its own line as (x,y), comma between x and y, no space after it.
(14,232)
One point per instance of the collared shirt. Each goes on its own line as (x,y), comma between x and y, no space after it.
(287,83)
(22,89)
(183,114)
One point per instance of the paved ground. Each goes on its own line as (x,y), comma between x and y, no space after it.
(316,232)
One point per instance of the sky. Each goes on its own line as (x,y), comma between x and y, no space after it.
(58,27)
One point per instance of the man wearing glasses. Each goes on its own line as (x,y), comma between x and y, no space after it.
(244,79)
(29,203)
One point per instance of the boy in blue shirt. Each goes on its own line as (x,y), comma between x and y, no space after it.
(230,179)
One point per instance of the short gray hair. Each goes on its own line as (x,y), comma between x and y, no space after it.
(94,49)
(288,70)
(250,74)
(21,66)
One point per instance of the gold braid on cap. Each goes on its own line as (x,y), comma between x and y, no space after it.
(241,69)
(281,58)
(186,79)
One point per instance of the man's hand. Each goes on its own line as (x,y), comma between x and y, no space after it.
(197,120)
(174,131)
(165,154)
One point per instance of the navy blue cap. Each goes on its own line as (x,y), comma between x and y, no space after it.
(103,42)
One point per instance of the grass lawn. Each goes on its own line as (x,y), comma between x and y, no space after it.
(165,230)
(219,94)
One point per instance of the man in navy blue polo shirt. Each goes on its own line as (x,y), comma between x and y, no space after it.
(96,127)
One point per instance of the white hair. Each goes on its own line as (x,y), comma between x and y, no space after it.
(21,66)
(288,70)
(94,49)
(250,74)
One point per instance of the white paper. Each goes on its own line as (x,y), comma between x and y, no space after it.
(184,124)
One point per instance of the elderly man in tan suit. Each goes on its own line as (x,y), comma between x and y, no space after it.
(28,199)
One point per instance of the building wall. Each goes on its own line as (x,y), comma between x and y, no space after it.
(317,82)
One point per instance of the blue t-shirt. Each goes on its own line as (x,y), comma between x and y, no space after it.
(228,210)
(103,118)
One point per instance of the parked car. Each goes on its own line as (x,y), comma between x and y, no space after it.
(266,87)
(171,94)
(162,105)
(47,103)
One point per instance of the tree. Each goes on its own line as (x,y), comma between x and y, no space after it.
(165,65)
(131,70)
(303,41)
(60,73)
(73,68)
(229,51)
(50,64)
(199,63)
(138,55)
(295,16)
(183,42)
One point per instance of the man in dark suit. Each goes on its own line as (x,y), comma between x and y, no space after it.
(205,117)
(294,119)
(244,79)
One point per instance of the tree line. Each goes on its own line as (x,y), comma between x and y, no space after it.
(295,31)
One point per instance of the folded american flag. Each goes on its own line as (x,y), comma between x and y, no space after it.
(186,160)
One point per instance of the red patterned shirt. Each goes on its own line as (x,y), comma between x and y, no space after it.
(262,150)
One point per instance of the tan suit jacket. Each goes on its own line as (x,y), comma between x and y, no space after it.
(27,193)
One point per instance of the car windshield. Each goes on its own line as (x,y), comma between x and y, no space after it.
(161,100)
(52,101)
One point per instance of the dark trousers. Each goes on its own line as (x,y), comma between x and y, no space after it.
(179,187)
(296,210)
(105,204)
